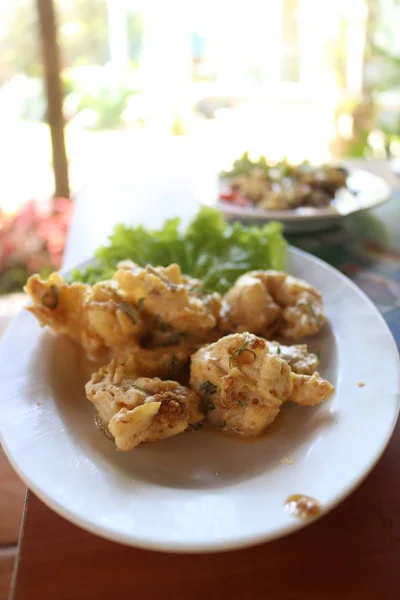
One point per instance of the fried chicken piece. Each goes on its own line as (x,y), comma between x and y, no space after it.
(96,317)
(167,296)
(139,409)
(297,356)
(272,302)
(243,385)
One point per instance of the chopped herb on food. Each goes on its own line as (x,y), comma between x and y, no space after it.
(239,351)
(311,309)
(318,354)
(240,403)
(208,388)
(163,325)
(175,364)
(50,298)
(141,389)
(129,310)
(199,292)
(174,339)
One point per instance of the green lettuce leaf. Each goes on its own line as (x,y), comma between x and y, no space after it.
(209,249)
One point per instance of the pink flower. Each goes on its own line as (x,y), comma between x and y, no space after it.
(28,215)
(33,239)
(62,205)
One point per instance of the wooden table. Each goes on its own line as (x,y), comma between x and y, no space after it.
(352,553)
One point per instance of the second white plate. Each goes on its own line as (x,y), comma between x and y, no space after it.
(368,191)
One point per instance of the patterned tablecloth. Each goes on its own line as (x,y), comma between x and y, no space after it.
(367,249)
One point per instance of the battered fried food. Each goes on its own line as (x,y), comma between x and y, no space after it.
(309,391)
(243,386)
(140,409)
(272,302)
(97,317)
(165,294)
(155,322)
(299,358)
(166,361)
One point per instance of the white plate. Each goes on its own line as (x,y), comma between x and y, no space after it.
(204,491)
(369,191)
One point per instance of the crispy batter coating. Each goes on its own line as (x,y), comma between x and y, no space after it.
(97,317)
(309,391)
(243,385)
(155,322)
(272,302)
(297,356)
(139,409)
(164,362)
(166,295)
(61,307)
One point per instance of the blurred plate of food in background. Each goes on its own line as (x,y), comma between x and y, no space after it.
(304,197)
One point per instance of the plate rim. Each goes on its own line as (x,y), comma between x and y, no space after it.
(243,541)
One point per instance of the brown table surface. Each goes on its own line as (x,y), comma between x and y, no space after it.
(352,553)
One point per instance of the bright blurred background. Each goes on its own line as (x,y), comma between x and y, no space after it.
(151,85)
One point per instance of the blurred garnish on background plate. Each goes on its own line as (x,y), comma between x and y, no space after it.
(280,186)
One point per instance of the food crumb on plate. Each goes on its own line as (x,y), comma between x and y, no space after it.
(361,384)
(300,505)
(287,461)
(39,403)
